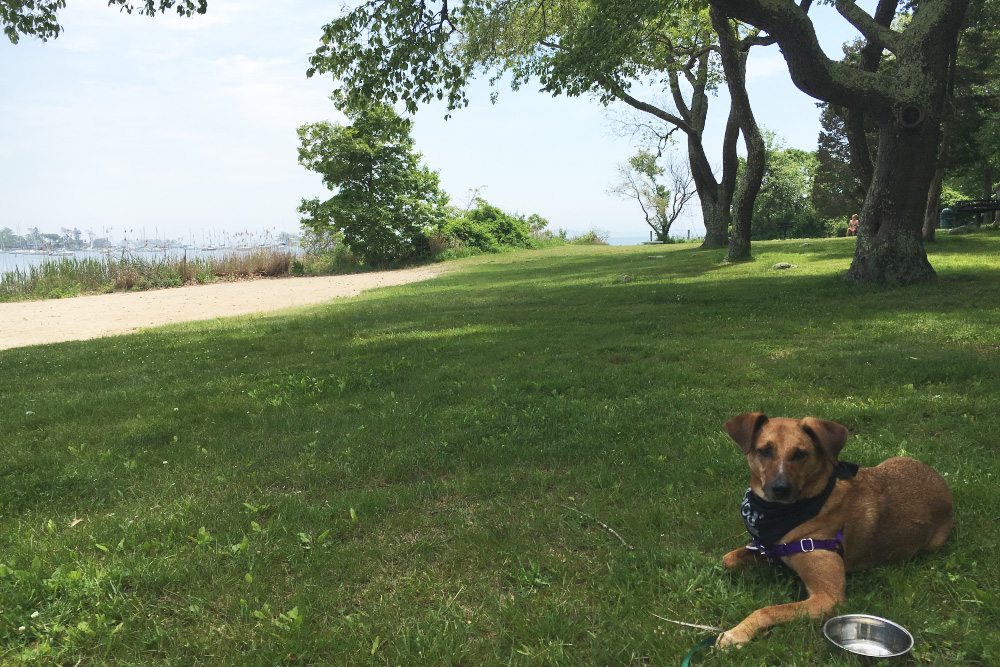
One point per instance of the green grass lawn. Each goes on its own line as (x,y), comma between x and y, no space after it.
(418,476)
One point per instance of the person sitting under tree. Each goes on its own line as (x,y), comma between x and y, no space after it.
(852,226)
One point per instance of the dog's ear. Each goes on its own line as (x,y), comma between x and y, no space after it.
(743,428)
(829,437)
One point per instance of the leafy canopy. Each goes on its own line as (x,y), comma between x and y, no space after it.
(416,52)
(385,199)
(39,18)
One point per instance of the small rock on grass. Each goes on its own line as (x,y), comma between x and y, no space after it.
(785,265)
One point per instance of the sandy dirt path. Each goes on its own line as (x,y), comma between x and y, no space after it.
(85,317)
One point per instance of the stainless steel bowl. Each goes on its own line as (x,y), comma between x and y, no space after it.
(868,635)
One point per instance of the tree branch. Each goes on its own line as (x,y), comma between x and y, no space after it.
(618,92)
(811,70)
(878,34)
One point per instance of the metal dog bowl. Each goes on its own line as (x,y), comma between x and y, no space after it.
(868,635)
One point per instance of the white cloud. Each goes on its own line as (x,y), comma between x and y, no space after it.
(765,64)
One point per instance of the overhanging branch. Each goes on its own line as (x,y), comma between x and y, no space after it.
(811,70)
(619,92)
(868,26)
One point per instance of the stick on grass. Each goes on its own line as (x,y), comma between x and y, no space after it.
(602,525)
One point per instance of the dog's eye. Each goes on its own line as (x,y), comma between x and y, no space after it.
(765,452)
(799,455)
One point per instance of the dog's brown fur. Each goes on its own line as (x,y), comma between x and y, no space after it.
(888,512)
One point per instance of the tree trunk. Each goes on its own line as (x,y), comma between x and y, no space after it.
(716,218)
(857,142)
(734,59)
(933,203)
(746,195)
(890,249)
(714,204)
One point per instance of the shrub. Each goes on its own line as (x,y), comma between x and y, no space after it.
(537,226)
(437,242)
(835,227)
(471,234)
(489,229)
(593,237)
(505,229)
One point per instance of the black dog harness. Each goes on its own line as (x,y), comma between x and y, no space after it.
(768,521)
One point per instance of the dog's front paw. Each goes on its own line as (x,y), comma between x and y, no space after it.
(737,559)
(731,638)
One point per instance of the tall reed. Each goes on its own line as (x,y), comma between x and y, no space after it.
(71,276)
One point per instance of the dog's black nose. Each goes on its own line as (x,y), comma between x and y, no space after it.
(781,489)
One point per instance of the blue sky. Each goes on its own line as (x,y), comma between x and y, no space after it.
(182,128)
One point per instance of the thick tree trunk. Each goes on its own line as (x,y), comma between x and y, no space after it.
(727,184)
(734,59)
(857,141)
(716,218)
(715,201)
(933,202)
(870,57)
(746,195)
(890,249)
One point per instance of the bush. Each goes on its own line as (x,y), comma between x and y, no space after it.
(807,225)
(505,229)
(835,227)
(489,229)
(471,234)
(593,237)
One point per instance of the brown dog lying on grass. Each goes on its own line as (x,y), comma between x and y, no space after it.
(822,517)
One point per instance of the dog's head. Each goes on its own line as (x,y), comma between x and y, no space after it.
(788,458)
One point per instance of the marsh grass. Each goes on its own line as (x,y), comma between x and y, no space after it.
(126,272)
(383,480)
